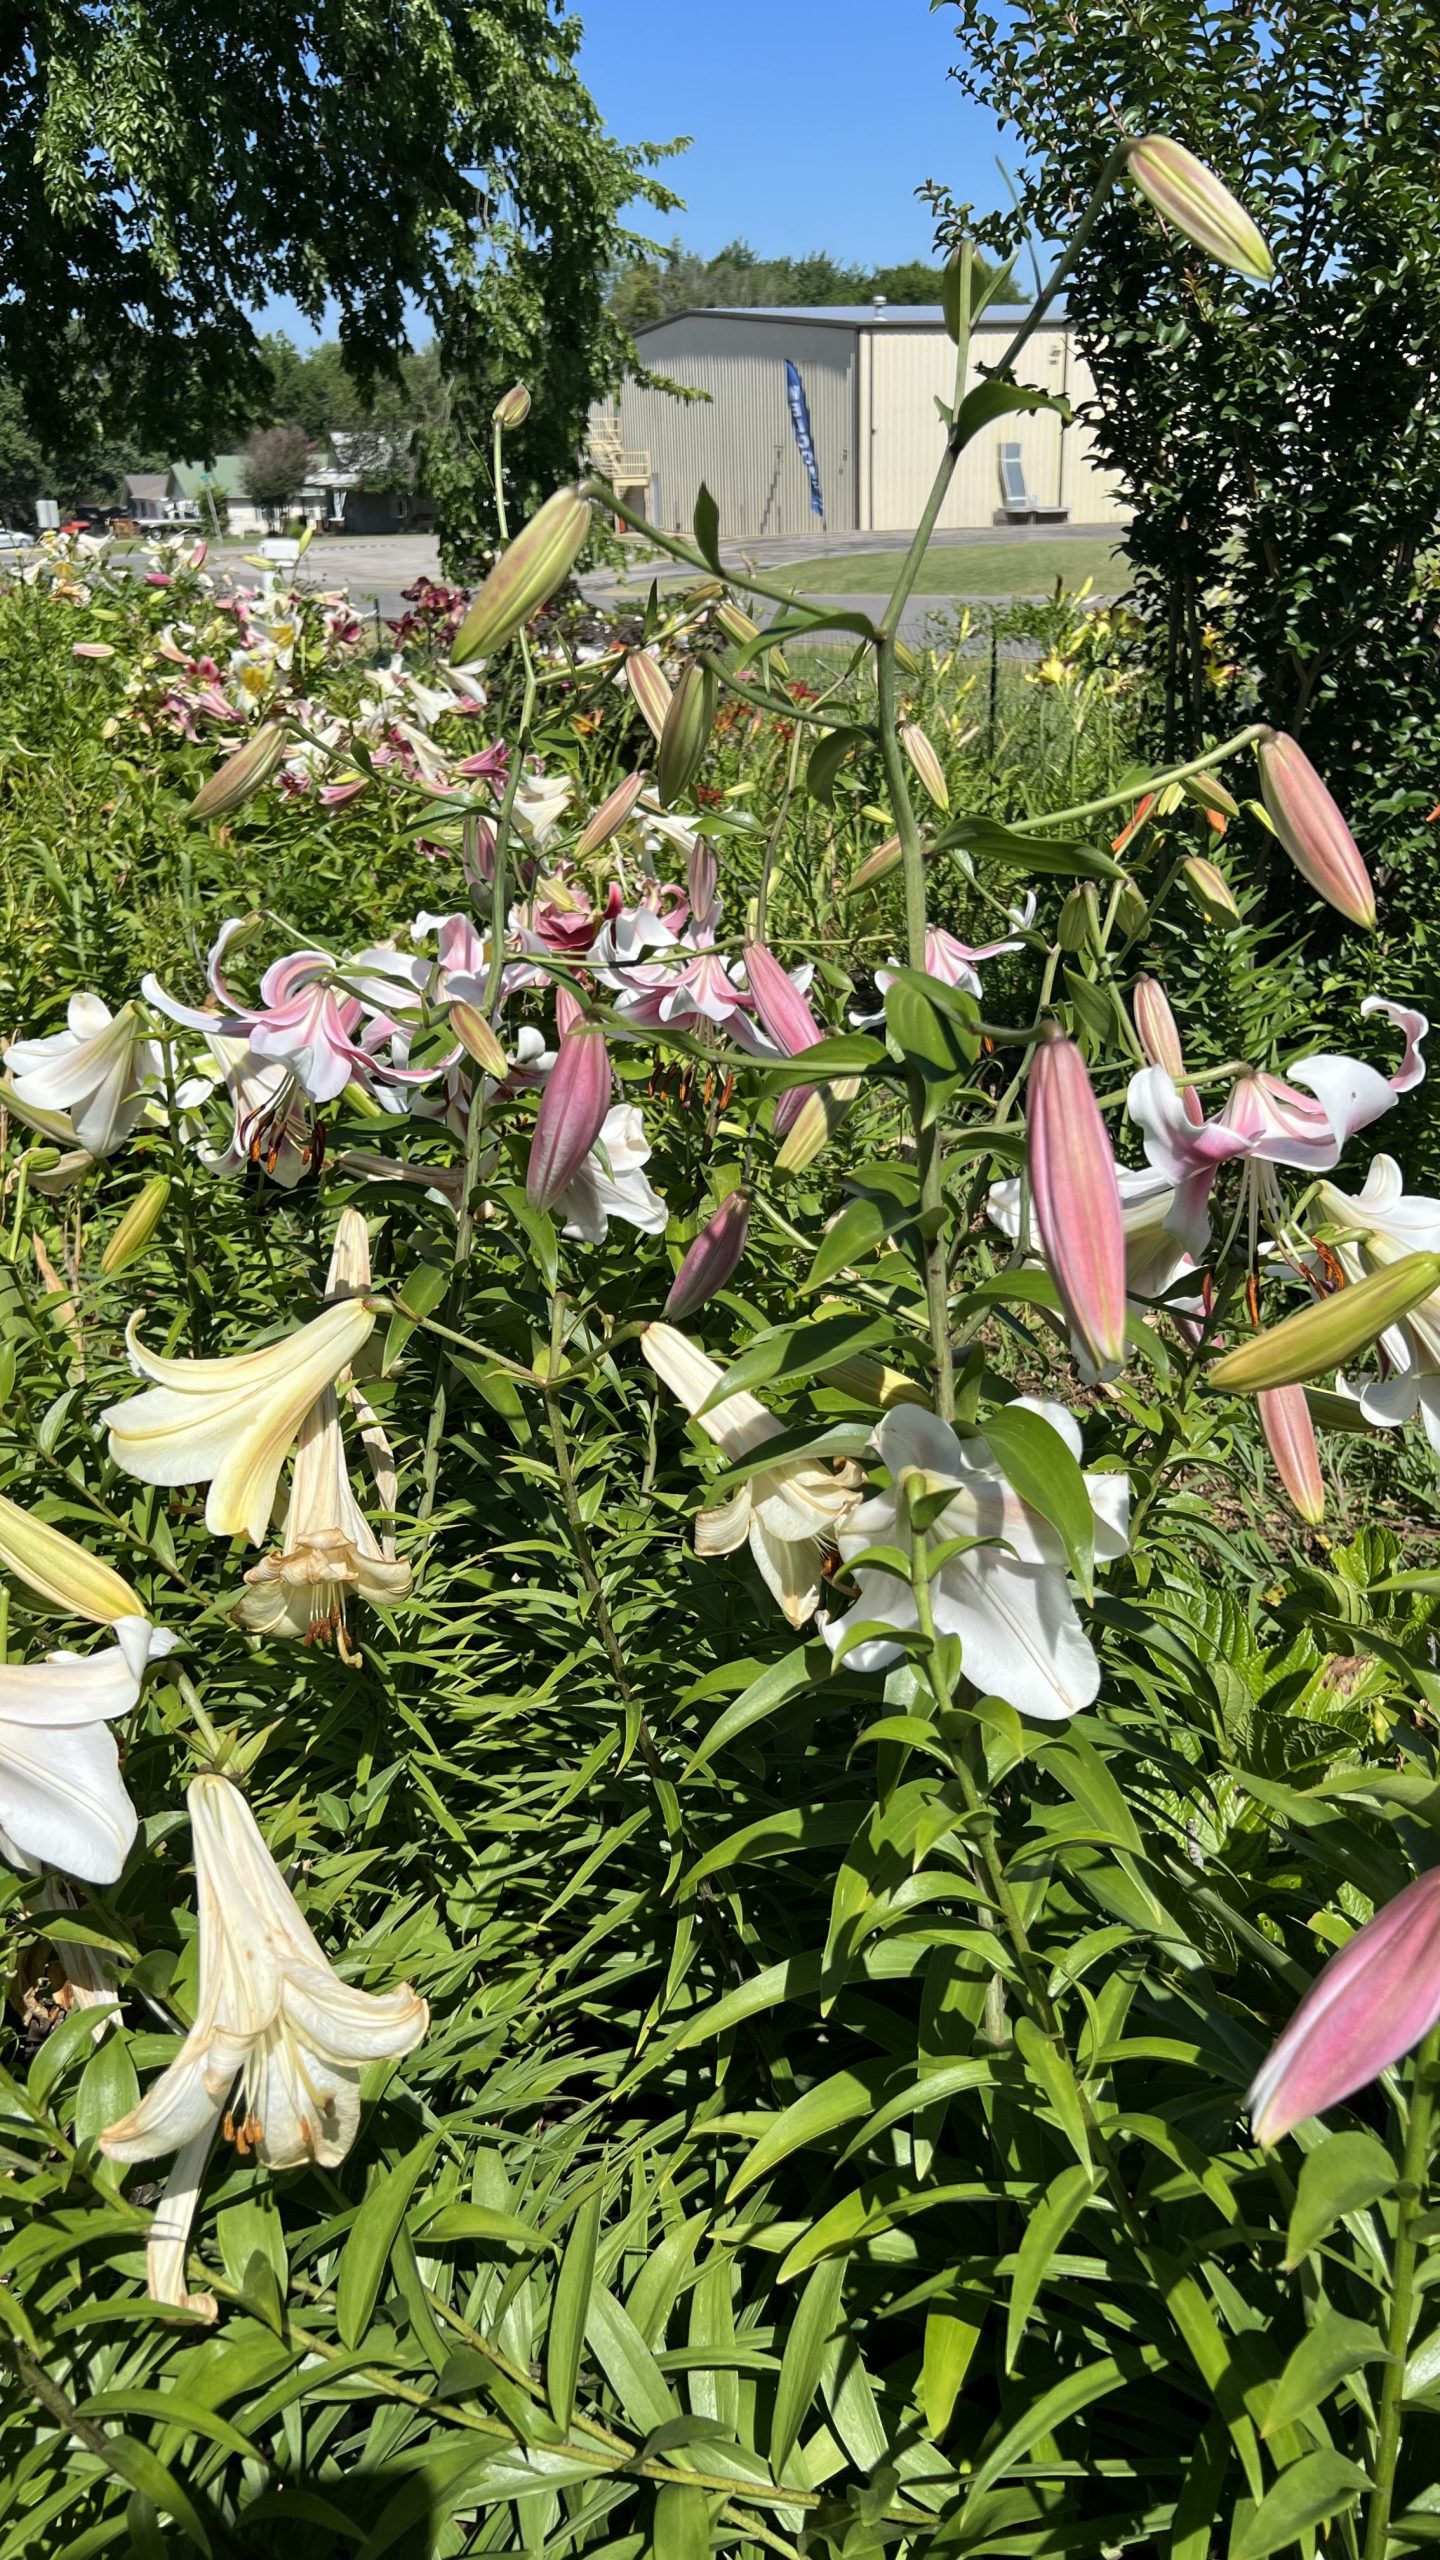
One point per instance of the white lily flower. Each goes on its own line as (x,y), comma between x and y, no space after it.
(790,1513)
(327,1546)
(1380,1226)
(96,1072)
(229,1423)
(594,1195)
(1007,1600)
(1154,1255)
(62,1799)
(272,2016)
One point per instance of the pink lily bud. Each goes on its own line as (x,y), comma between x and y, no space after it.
(1290,1439)
(778,1001)
(712,1259)
(647,681)
(1077,1207)
(1159,1036)
(1368,2006)
(611,815)
(1309,824)
(571,1115)
(91,649)
(789,1106)
(569,1011)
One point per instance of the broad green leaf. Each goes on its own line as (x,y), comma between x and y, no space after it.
(366,2253)
(1334,2348)
(803,2359)
(1061,2205)
(569,2309)
(1037,1465)
(645,2397)
(785,1354)
(681,2530)
(1318,2486)
(1341,2175)
(826,758)
(997,398)
(950,2343)
(707,528)
(808,1667)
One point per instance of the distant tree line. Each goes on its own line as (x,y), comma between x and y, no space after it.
(738,278)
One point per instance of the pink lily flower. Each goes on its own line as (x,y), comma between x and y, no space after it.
(303,1020)
(1269,1120)
(1371,2003)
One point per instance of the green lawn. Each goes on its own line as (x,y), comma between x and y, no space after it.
(999,568)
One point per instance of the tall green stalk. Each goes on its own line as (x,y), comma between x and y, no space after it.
(1410,2205)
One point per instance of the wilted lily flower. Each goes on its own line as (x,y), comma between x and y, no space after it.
(62,1799)
(230,1423)
(790,1513)
(1007,1598)
(1368,2006)
(278,2040)
(97,1072)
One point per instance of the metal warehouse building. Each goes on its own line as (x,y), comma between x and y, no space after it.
(871,377)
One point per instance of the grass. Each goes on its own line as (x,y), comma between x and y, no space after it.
(1005,567)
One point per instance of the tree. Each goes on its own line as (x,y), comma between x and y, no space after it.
(166,163)
(738,278)
(276,461)
(1281,449)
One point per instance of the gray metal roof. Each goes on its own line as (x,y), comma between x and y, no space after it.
(847,315)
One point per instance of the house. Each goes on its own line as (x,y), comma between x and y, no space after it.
(370,484)
(151,496)
(871,376)
(216,492)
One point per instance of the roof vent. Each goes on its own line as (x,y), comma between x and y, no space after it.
(878,301)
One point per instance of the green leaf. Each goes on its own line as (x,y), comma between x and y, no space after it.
(1325,2355)
(707,529)
(1063,2400)
(645,2397)
(808,1667)
(999,399)
(992,842)
(785,1354)
(831,2103)
(1063,2202)
(826,757)
(803,2360)
(682,2525)
(569,2309)
(1343,2174)
(1037,1465)
(936,1046)
(861,1226)
(366,2253)
(1316,2487)
(950,2343)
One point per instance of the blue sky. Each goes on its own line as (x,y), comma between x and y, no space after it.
(812,125)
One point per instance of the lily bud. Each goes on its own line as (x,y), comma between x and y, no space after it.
(1157,1029)
(478,1041)
(872,1382)
(1191,196)
(926,764)
(572,1112)
(1077,1207)
(821,1113)
(735,622)
(1312,829)
(241,775)
(686,731)
(611,815)
(1366,2008)
(1079,919)
(513,410)
(137,1226)
(713,1258)
(91,649)
(649,687)
(783,1010)
(875,865)
(538,561)
(1320,1337)
(1213,893)
(702,880)
(1290,1439)
(1210,793)
(64,1574)
(569,1011)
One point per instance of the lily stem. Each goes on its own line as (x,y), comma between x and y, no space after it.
(1410,2201)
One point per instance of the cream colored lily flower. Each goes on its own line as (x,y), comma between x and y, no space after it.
(229,1423)
(272,2016)
(95,1072)
(63,1802)
(790,1513)
(327,1546)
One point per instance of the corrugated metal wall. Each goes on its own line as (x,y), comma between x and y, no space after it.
(903,371)
(740,442)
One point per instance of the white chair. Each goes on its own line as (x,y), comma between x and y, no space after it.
(1018,506)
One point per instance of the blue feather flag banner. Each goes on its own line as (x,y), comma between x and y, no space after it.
(800,421)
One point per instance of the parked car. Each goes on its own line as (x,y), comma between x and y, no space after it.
(12,542)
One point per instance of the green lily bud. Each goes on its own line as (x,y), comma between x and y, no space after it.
(686,732)
(1191,197)
(478,1041)
(513,410)
(241,775)
(815,1124)
(1212,891)
(64,1574)
(926,764)
(526,576)
(137,1226)
(1318,1338)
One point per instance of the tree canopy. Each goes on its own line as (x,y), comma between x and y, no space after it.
(737,277)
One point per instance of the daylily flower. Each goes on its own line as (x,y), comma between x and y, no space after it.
(228,1423)
(327,1546)
(62,1798)
(611,1182)
(1007,1599)
(1379,1226)
(1366,2008)
(96,1072)
(790,1513)
(1268,1120)
(272,2015)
